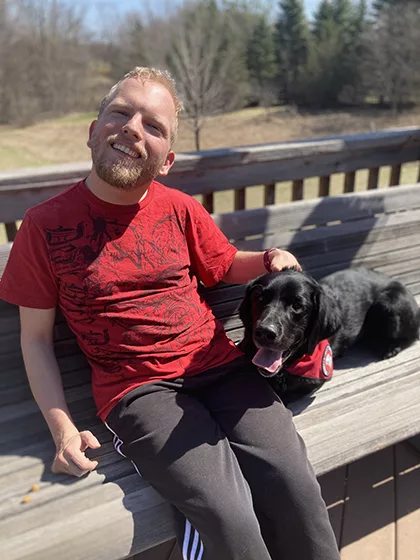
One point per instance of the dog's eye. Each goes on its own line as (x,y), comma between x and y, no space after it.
(296,307)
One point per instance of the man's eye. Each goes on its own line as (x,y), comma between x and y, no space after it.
(155,127)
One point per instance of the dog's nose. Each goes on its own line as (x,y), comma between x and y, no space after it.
(265,334)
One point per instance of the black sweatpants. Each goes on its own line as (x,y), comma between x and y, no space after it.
(222,448)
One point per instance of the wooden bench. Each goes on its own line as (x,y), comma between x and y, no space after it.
(112,513)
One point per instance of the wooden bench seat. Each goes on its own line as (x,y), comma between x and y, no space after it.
(112,513)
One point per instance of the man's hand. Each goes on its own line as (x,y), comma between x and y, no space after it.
(70,457)
(280,259)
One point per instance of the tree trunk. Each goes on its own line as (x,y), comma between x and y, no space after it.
(197,135)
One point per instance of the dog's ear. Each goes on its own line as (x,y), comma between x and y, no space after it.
(325,319)
(245,315)
(245,308)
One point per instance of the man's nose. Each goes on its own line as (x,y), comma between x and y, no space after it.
(133,129)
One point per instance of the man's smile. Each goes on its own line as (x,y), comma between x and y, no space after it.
(125,150)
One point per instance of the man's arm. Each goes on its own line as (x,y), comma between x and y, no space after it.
(249,265)
(47,388)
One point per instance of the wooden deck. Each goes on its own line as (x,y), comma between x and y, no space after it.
(374,507)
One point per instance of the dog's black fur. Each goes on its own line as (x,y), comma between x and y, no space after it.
(289,311)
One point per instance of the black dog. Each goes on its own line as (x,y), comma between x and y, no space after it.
(287,314)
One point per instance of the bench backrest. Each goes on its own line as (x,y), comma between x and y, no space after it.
(378,229)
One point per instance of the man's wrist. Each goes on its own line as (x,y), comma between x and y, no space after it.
(267,257)
(61,427)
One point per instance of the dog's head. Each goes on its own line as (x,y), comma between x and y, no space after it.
(285,315)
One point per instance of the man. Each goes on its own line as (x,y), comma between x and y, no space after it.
(122,256)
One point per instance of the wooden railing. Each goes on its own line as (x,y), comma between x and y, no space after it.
(209,172)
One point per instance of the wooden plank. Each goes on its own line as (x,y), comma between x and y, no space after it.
(381,252)
(369,522)
(407,503)
(381,263)
(176,553)
(324,186)
(373,178)
(333,488)
(4,256)
(71,172)
(11,231)
(269,194)
(231,168)
(63,347)
(239,176)
(124,517)
(280,218)
(297,189)
(165,551)
(208,202)
(368,416)
(349,182)
(330,237)
(239,203)
(414,443)
(395,176)
(207,159)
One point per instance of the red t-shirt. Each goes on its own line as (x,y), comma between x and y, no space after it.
(125,278)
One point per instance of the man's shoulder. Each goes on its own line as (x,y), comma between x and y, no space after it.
(175,196)
(62,202)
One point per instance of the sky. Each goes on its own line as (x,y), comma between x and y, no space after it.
(127,5)
(96,9)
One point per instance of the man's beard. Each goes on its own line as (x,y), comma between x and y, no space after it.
(126,174)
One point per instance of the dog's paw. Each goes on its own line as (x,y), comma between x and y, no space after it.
(391,352)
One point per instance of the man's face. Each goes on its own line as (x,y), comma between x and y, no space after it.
(130,141)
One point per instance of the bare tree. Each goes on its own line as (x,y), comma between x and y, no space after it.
(392,71)
(45,64)
(202,59)
(10,55)
(58,51)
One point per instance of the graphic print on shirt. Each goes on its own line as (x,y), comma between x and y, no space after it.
(115,279)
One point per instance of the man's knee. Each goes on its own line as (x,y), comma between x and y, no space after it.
(226,512)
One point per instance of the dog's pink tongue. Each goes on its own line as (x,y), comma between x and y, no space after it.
(268,359)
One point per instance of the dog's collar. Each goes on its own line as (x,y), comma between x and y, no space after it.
(318,365)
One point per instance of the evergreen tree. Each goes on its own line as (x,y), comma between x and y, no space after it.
(261,60)
(334,64)
(292,42)
(323,23)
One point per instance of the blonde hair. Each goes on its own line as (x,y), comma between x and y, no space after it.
(144,74)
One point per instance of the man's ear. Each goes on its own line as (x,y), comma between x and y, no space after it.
(169,161)
(91,130)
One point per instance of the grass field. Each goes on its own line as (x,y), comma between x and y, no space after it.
(64,140)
